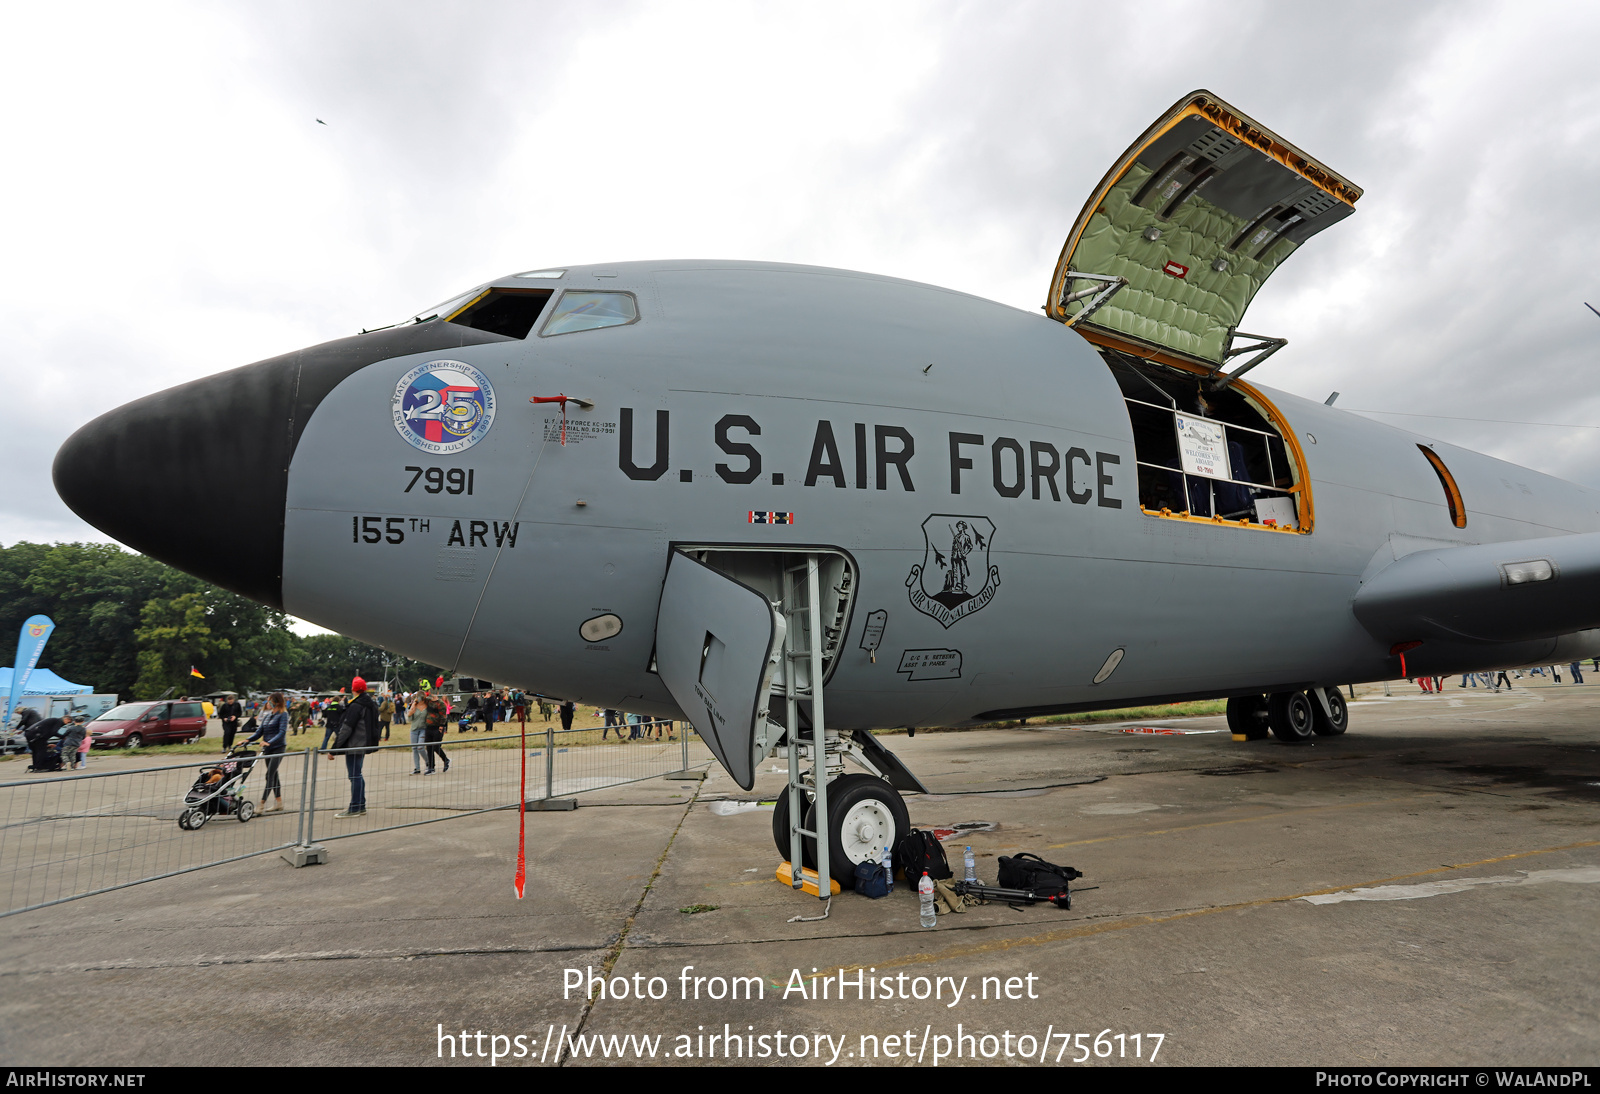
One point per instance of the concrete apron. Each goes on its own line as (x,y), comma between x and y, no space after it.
(1201,848)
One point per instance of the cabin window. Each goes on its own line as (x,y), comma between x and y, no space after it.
(1452,492)
(511,312)
(578,311)
(1205,454)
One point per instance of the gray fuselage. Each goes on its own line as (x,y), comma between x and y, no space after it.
(754,368)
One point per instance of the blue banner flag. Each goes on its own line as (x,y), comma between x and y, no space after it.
(30,644)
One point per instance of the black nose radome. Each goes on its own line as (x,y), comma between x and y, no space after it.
(197,475)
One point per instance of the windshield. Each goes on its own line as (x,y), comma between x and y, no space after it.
(591,311)
(127,712)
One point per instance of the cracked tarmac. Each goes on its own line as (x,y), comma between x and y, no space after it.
(1201,849)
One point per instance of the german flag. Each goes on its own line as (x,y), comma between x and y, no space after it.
(195,672)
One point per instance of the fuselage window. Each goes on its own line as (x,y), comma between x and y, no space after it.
(511,312)
(577,311)
(1205,454)
(1452,492)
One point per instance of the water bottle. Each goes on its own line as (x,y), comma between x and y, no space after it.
(930,916)
(888,868)
(972,866)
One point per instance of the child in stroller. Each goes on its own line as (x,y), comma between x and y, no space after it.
(216,791)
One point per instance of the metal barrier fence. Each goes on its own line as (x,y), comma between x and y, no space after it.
(68,836)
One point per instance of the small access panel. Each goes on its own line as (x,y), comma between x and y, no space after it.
(718,643)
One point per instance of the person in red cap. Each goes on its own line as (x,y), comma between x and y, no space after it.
(358,735)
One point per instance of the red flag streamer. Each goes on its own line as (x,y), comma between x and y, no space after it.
(562,399)
(522,814)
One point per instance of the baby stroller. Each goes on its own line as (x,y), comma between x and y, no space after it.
(47,757)
(216,791)
(43,742)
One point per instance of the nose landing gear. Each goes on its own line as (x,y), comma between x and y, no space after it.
(865,815)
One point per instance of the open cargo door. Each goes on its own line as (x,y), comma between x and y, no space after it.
(718,642)
(1184,229)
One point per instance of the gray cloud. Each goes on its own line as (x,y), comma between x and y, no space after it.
(185,214)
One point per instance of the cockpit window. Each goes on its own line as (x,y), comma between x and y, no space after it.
(511,312)
(439,311)
(1206,453)
(577,311)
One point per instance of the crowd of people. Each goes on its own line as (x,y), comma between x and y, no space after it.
(1495,680)
(354,724)
(638,727)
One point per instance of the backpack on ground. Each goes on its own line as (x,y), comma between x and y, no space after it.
(871,880)
(1029,871)
(918,851)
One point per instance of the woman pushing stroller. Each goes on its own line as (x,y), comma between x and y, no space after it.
(273,734)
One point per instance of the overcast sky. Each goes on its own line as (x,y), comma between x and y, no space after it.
(173,208)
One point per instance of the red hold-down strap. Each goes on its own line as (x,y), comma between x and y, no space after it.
(1399,649)
(521,877)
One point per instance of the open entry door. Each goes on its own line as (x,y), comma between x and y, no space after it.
(718,643)
(1184,230)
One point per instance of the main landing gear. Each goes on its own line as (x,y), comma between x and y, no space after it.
(1289,715)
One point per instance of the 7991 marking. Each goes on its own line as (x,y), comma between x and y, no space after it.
(456,480)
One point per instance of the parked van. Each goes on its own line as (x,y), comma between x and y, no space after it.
(158,723)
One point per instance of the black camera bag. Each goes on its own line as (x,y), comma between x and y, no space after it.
(1029,871)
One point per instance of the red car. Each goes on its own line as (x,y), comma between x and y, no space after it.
(158,723)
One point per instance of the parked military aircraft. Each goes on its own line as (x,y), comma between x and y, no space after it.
(726,490)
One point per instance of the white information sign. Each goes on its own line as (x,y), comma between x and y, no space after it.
(1203,447)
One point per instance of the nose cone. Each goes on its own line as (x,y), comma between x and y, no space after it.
(197,475)
(194,476)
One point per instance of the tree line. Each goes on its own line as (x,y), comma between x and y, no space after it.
(131,625)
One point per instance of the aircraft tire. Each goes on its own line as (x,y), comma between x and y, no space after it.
(1247,716)
(1330,727)
(780,833)
(858,803)
(1292,716)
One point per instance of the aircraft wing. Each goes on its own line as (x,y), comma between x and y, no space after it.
(1185,228)
(1490,592)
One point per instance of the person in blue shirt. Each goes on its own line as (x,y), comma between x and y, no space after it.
(273,735)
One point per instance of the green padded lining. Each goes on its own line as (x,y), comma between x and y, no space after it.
(1191,315)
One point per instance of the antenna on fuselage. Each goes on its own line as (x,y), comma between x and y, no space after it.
(1591,307)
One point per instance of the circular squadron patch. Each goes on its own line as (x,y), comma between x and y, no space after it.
(443,406)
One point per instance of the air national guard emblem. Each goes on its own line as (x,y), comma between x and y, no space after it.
(955,578)
(443,406)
